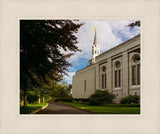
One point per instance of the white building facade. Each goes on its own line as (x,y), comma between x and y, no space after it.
(116,70)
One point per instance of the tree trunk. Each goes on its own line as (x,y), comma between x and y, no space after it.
(25,98)
(39,100)
(43,99)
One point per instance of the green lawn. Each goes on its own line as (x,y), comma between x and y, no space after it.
(109,109)
(31,107)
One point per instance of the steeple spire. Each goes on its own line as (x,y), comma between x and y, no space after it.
(95,37)
(95,48)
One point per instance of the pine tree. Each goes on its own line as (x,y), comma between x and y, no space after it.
(41,58)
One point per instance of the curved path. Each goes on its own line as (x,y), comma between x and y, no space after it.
(61,108)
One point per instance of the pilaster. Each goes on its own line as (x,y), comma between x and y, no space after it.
(109,74)
(125,74)
(97,76)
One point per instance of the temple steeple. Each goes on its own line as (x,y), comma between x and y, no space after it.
(95,47)
(95,37)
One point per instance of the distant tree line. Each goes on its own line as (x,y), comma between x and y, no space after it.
(48,93)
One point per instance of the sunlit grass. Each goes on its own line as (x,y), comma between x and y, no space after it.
(109,109)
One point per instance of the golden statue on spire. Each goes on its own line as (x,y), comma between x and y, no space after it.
(95,37)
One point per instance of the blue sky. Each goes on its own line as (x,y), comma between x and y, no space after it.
(110,33)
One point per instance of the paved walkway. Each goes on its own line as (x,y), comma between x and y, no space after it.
(61,108)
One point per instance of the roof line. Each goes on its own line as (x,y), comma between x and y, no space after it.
(118,45)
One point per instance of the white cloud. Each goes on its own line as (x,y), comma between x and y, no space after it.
(106,33)
(68,78)
(122,29)
(109,34)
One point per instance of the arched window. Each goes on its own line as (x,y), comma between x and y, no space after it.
(117,74)
(136,70)
(104,78)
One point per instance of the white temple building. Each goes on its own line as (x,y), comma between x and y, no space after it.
(116,70)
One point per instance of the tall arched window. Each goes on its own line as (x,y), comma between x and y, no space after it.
(104,78)
(117,74)
(136,70)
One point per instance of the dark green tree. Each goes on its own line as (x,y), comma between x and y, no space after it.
(41,58)
(60,90)
(136,23)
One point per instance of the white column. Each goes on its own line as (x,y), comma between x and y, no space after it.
(125,74)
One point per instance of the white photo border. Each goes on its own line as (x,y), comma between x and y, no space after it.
(148,12)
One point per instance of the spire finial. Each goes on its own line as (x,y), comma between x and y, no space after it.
(95,29)
(95,37)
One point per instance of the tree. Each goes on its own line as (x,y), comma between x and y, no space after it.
(60,90)
(136,23)
(32,97)
(41,58)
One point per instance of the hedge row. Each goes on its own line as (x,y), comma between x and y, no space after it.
(71,99)
(101,98)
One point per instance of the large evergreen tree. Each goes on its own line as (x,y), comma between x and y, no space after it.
(41,58)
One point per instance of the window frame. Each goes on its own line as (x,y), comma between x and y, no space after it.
(104,77)
(135,74)
(117,74)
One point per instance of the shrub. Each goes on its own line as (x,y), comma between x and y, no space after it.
(64,100)
(74,101)
(81,99)
(70,99)
(101,97)
(131,99)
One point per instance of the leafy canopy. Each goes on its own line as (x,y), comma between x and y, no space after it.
(41,45)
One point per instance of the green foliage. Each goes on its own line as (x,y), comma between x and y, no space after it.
(52,92)
(136,23)
(32,97)
(41,58)
(81,100)
(31,107)
(60,90)
(48,98)
(101,97)
(131,99)
(64,99)
(70,99)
